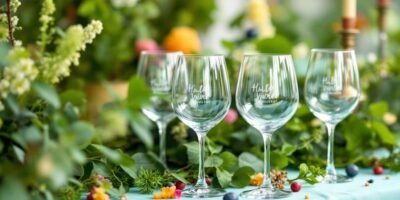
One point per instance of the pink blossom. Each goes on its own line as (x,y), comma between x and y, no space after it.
(231,116)
(178,193)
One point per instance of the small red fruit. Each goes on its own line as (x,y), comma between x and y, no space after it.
(145,45)
(378,170)
(180,185)
(295,186)
(208,181)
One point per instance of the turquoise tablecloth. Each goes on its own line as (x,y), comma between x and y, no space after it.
(381,188)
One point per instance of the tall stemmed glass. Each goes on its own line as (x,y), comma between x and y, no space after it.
(156,68)
(332,91)
(201,99)
(267,97)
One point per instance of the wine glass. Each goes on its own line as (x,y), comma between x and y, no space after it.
(156,67)
(267,97)
(332,91)
(201,99)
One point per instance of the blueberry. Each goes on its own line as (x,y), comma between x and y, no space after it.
(370,181)
(230,196)
(251,33)
(352,170)
(168,184)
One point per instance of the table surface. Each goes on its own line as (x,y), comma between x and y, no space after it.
(386,187)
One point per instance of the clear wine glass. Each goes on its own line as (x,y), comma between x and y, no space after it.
(156,67)
(201,99)
(332,91)
(267,97)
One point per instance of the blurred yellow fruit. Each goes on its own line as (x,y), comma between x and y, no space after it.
(183,39)
(257,180)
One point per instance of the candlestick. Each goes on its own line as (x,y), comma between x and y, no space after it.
(382,7)
(349,13)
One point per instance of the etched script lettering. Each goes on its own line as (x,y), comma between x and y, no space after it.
(330,86)
(159,85)
(263,93)
(197,94)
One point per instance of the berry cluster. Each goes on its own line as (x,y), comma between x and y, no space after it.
(170,191)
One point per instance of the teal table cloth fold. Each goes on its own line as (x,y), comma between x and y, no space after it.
(385,187)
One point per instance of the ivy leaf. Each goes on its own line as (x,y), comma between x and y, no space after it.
(141,126)
(241,178)
(213,148)
(48,93)
(303,170)
(180,176)
(248,159)
(145,161)
(83,133)
(110,154)
(12,185)
(193,152)
(213,161)
(230,162)
(224,177)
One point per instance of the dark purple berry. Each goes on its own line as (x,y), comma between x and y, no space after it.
(230,196)
(168,184)
(370,181)
(352,170)
(251,33)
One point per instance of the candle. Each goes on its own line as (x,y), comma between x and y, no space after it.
(383,3)
(349,8)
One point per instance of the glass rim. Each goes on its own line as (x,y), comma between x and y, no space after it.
(159,52)
(266,54)
(202,55)
(332,50)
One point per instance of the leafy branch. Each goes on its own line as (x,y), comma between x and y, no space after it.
(10,24)
(309,174)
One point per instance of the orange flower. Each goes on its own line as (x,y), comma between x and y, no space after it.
(98,193)
(257,180)
(183,39)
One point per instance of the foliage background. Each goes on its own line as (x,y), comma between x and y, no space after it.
(121,141)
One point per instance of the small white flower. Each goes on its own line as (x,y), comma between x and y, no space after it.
(123,3)
(300,50)
(372,58)
(20,86)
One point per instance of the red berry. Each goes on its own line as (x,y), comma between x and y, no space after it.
(180,185)
(295,186)
(378,170)
(208,181)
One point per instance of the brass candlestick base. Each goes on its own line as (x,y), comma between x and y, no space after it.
(349,38)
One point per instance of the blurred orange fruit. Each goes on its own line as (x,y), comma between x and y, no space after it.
(183,39)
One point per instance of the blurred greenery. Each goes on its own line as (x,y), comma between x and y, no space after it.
(49,149)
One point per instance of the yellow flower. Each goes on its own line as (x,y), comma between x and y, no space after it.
(100,194)
(183,39)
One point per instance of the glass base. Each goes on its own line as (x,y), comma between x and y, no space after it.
(265,193)
(201,192)
(336,179)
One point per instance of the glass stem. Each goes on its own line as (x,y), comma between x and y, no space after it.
(201,181)
(330,167)
(162,129)
(267,167)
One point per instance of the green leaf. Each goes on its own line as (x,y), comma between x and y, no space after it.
(303,169)
(193,152)
(138,92)
(101,169)
(128,165)
(241,178)
(230,162)
(378,109)
(141,126)
(48,93)
(288,149)
(145,161)
(277,44)
(75,97)
(224,177)
(279,160)
(84,133)
(12,186)
(110,154)
(384,133)
(248,159)
(180,176)
(213,148)
(213,161)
